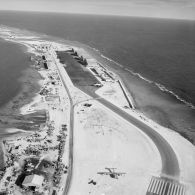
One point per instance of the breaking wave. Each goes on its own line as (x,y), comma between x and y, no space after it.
(160,86)
(163,88)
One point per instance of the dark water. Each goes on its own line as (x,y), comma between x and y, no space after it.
(13,62)
(160,50)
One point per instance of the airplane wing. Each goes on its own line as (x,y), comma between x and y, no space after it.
(119,173)
(103,173)
(110,169)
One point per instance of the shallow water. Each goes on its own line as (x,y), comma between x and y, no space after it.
(14,63)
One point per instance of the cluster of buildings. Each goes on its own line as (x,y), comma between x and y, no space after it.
(101,73)
(98,70)
(24,172)
(80,59)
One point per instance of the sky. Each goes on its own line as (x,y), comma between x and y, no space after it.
(177,9)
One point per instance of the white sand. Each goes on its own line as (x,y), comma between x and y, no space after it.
(113,93)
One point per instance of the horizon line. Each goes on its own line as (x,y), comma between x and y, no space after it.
(92,14)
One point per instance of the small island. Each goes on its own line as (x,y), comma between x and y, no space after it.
(84,131)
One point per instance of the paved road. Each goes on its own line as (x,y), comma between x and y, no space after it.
(71,128)
(170,166)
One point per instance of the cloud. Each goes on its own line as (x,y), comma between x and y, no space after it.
(184,9)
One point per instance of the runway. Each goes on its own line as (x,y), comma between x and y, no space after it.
(170,165)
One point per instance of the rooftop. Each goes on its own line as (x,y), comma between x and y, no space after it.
(33,180)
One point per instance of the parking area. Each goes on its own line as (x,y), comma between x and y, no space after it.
(78,73)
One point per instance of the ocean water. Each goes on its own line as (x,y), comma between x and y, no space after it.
(155,57)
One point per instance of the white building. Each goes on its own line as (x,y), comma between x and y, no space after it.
(33,180)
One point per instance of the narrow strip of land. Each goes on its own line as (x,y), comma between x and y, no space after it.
(170,165)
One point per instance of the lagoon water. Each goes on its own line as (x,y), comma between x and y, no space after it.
(13,61)
(160,50)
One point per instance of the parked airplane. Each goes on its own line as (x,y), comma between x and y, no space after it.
(111,172)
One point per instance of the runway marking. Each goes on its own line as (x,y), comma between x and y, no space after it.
(164,186)
(153,186)
(170,191)
(158,186)
(161,186)
(151,183)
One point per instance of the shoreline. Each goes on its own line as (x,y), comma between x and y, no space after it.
(25,95)
(48,140)
(110,62)
(177,116)
(139,75)
(96,52)
(163,117)
(29,88)
(51,57)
